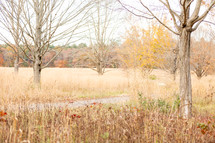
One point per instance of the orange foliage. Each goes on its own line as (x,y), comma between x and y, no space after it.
(1,60)
(60,63)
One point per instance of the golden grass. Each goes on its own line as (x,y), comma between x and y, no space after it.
(60,85)
(149,120)
(66,84)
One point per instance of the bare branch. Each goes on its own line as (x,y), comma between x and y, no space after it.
(206,12)
(125,7)
(195,14)
(197,25)
(173,14)
(158,18)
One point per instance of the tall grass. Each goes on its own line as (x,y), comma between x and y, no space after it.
(105,124)
(64,84)
(151,118)
(59,85)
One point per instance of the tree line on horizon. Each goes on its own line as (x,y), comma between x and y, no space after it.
(73,56)
(130,53)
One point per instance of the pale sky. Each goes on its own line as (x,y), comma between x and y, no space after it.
(123,20)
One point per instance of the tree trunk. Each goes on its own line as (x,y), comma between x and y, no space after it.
(174,67)
(37,73)
(16,64)
(174,62)
(100,68)
(185,77)
(37,70)
(37,65)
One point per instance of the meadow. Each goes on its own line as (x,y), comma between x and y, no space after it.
(60,84)
(150,115)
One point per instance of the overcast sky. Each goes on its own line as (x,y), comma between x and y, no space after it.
(122,19)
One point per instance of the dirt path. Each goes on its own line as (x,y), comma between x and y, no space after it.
(75,104)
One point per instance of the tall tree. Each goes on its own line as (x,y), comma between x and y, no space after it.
(45,22)
(185,21)
(101,34)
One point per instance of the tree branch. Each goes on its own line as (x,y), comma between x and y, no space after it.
(206,12)
(158,18)
(46,65)
(124,6)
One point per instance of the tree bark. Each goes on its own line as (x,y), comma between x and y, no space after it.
(100,68)
(16,64)
(37,70)
(185,76)
(37,67)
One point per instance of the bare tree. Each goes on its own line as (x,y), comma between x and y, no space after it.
(101,34)
(171,60)
(202,60)
(11,11)
(185,22)
(45,22)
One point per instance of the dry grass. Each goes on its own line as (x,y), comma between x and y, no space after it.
(105,124)
(160,85)
(60,85)
(152,119)
(64,84)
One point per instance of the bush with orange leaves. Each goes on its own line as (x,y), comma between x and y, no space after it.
(61,63)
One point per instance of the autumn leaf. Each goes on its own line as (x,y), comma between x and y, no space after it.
(2,113)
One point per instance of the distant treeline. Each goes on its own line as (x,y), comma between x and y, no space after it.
(72,56)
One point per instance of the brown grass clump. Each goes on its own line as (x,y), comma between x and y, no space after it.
(99,123)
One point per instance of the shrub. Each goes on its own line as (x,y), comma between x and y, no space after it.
(152,77)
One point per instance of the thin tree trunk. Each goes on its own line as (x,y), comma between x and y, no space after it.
(174,62)
(16,61)
(174,67)
(16,64)
(174,76)
(185,77)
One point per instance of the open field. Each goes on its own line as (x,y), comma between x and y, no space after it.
(150,116)
(67,84)
(60,85)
